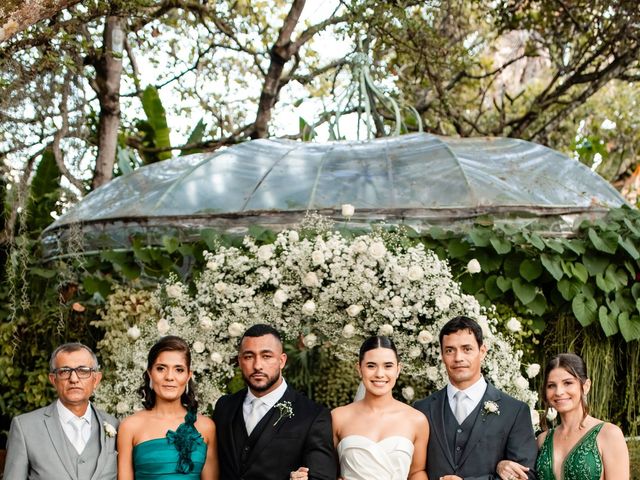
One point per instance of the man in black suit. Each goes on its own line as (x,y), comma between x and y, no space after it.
(268,430)
(473,425)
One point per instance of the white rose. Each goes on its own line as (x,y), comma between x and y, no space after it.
(415,352)
(206,323)
(533,370)
(432,373)
(293,236)
(473,266)
(109,430)
(310,340)
(180,318)
(211,265)
(486,330)
(443,302)
(220,287)
(174,291)
(535,417)
(377,250)
(198,346)
(348,330)
(265,252)
(514,324)
(359,246)
(354,310)
(396,302)
(522,383)
(415,273)
(279,298)
(309,307)
(408,393)
(551,414)
(317,257)
(348,210)
(133,333)
(425,337)
(122,407)
(216,357)
(311,280)
(386,330)
(163,326)
(235,329)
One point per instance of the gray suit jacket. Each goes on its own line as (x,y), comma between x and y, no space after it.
(36,448)
(493,437)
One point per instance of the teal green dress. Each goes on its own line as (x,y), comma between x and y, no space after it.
(582,463)
(178,456)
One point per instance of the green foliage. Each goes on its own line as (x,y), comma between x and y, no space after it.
(155,129)
(44,194)
(592,275)
(196,136)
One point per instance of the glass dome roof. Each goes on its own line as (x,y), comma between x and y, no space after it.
(416,179)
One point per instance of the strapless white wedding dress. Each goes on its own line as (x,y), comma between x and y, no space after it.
(364,459)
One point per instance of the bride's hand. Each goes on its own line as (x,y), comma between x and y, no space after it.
(300,474)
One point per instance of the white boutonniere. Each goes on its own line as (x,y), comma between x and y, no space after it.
(490,407)
(109,430)
(286,410)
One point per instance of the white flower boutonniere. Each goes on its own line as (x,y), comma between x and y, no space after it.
(286,410)
(490,407)
(109,430)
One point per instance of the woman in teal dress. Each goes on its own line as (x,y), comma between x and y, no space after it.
(167,440)
(580,447)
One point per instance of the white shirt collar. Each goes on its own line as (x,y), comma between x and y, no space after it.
(475,392)
(66,415)
(270,398)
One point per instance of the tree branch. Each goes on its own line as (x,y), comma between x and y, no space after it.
(17,15)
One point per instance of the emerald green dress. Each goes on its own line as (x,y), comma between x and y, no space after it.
(582,463)
(178,456)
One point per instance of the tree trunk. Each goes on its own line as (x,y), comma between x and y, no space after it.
(16,15)
(281,53)
(108,72)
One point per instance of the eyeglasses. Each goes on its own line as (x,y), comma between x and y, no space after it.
(65,372)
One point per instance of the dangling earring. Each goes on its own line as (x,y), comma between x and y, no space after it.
(187,389)
(584,398)
(150,385)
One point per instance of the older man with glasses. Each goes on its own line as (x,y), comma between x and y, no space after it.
(69,439)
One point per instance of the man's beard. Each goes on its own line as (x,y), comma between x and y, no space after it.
(271,381)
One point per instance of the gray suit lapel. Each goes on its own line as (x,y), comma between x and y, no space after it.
(58,438)
(437,407)
(103,444)
(483,421)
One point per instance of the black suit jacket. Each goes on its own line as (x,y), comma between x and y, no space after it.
(273,451)
(507,436)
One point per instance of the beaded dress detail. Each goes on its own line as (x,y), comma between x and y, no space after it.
(582,463)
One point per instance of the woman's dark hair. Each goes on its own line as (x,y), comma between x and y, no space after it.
(573,364)
(169,343)
(462,323)
(372,343)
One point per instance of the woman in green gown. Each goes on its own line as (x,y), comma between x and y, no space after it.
(580,447)
(167,440)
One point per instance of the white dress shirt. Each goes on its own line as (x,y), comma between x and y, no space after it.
(266,401)
(66,416)
(473,397)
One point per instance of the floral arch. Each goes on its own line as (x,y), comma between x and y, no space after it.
(328,289)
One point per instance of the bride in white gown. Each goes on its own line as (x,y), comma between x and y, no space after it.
(378,437)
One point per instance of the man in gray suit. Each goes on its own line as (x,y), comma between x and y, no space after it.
(69,439)
(473,425)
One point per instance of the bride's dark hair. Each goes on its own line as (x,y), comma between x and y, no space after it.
(170,343)
(379,341)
